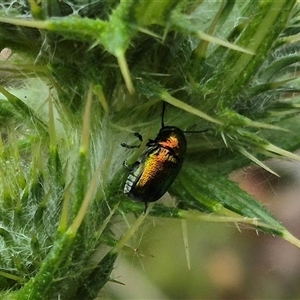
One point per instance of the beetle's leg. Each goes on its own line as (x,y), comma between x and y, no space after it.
(151,143)
(127,167)
(131,167)
(145,209)
(129,146)
(139,136)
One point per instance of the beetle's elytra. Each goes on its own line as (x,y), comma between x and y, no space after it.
(156,169)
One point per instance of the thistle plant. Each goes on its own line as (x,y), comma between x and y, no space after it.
(83,76)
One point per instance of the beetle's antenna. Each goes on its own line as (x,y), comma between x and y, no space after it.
(192,131)
(163,115)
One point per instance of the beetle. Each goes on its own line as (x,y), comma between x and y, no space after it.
(156,169)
